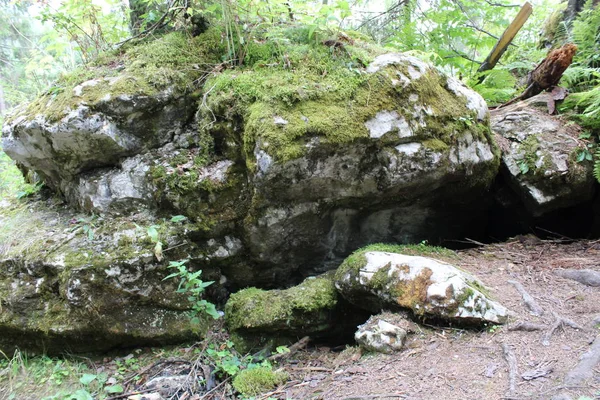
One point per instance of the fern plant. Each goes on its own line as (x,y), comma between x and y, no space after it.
(597,164)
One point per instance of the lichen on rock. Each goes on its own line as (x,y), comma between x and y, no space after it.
(378,280)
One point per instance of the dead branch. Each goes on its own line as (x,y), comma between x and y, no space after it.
(585,276)
(542,370)
(558,323)
(513,371)
(531,304)
(527,327)
(300,344)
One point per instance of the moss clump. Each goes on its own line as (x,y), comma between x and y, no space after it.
(305,306)
(254,381)
(172,61)
(531,151)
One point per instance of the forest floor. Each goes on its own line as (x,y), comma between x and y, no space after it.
(444,363)
(437,363)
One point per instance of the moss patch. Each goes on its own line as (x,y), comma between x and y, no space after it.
(172,61)
(254,381)
(305,306)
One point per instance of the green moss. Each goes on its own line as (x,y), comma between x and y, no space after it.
(254,381)
(305,304)
(436,145)
(532,153)
(171,61)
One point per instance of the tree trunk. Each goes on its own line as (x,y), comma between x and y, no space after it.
(137,8)
(573,8)
(2,102)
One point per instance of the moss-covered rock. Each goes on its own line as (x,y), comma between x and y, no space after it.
(75,283)
(257,317)
(379,280)
(282,163)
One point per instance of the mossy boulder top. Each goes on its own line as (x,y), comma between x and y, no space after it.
(283,165)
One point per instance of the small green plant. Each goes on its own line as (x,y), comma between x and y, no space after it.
(87,225)
(28,190)
(191,284)
(152,232)
(226,359)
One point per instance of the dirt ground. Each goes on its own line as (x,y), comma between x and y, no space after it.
(459,364)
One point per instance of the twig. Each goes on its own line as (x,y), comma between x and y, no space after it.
(374,396)
(156,364)
(214,389)
(502,5)
(554,233)
(527,327)
(531,304)
(513,371)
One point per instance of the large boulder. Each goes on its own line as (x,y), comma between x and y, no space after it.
(376,280)
(540,157)
(294,165)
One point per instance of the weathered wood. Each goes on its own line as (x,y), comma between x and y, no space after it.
(506,38)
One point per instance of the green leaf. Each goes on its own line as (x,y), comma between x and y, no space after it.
(178,218)
(114,389)
(81,394)
(153,233)
(581,156)
(86,379)
(173,275)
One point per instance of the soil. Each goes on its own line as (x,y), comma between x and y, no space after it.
(450,363)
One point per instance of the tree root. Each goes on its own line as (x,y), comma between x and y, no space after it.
(558,323)
(531,304)
(585,367)
(513,371)
(585,276)
(527,327)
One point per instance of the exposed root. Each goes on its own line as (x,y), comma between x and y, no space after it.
(585,367)
(527,327)
(513,371)
(531,304)
(558,323)
(585,276)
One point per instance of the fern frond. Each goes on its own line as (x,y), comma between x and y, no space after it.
(578,78)
(597,164)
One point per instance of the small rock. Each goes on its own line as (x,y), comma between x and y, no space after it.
(381,336)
